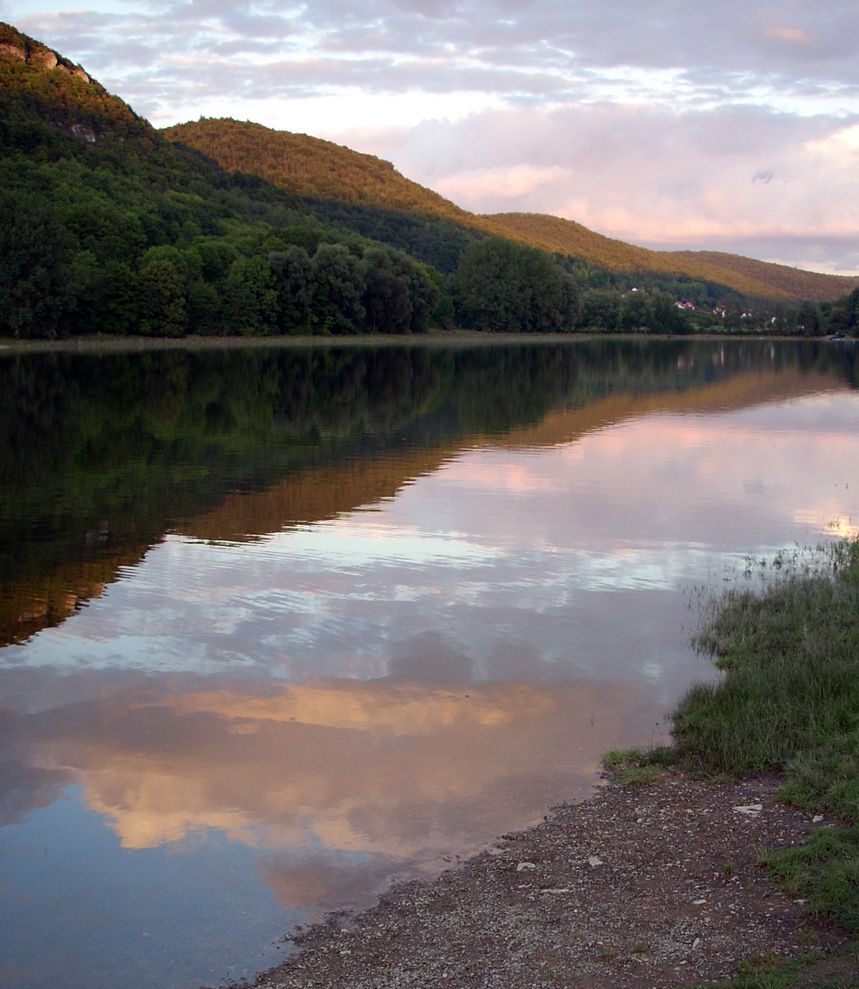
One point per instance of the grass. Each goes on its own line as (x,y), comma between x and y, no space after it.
(789,702)
(788,645)
(637,767)
(790,696)
(812,972)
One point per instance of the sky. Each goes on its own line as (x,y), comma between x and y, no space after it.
(674,124)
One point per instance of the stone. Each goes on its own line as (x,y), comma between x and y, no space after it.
(750,810)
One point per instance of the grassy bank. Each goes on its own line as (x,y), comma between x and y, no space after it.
(789,701)
(788,644)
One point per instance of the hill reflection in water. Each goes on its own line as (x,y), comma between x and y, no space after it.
(350,615)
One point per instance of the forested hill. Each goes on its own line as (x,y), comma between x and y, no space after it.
(321,170)
(40,86)
(756,279)
(797,283)
(108,225)
(312,168)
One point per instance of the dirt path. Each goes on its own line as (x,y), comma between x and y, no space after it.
(636,889)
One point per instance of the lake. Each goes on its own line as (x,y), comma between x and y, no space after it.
(282,626)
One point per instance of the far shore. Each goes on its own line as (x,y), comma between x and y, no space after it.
(435,338)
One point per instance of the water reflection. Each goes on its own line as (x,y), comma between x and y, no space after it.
(337,765)
(308,623)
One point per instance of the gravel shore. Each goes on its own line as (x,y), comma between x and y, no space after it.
(644,888)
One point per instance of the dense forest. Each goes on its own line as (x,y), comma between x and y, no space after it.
(108,226)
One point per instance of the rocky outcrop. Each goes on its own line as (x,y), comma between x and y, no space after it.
(13,51)
(44,57)
(24,49)
(46,86)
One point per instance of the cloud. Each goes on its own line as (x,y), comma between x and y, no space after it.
(793,35)
(650,176)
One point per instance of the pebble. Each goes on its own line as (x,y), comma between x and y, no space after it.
(751,810)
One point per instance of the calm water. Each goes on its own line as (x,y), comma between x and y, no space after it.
(280,627)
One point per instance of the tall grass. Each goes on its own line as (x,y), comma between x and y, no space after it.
(789,702)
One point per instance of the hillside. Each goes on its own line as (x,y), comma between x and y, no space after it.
(344,188)
(321,170)
(312,168)
(755,279)
(108,227)
(794,282)
(37,84)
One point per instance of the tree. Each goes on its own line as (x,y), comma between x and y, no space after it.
(205,317)
(117,299)
(337,289)
(293,280)
(600,310)
(386,296)
(425,289)
(34,254)
(665,316)
(251,301)
(635,313)
(810,320)
(844,315)
(508,288)
(162,299)
(399,295)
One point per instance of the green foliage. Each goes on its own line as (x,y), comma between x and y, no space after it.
(635,767)
(791,658)
(337,290)
(719,274)
(35,252)
(293,276)
(434,240)
(844,314)
(251,301)
(42,93)
(789,701)
(632,767)
(108,228)
(399,297)
(162,299)
(814,971)
(506,288)
(312,168)
(600,310)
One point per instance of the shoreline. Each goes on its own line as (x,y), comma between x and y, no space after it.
(433,338)
(136,344)
(655,887)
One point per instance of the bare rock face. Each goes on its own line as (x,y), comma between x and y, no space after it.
(43,57)
(87,133)
(13,51)
(39,57)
